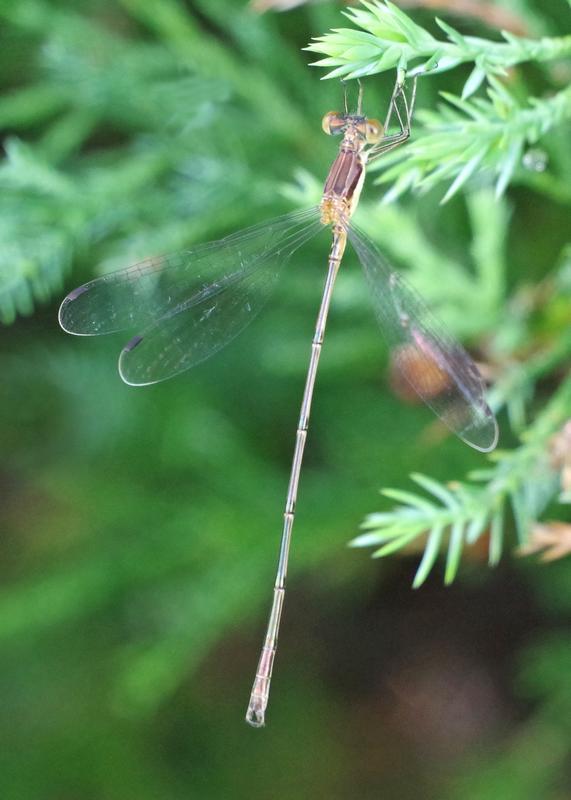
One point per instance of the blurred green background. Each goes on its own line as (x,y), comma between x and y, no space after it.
(140,526)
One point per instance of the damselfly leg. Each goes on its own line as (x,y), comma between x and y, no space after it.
(404,117)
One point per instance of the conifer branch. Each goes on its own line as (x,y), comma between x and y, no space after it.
(462,137)
(388,38)
(458,514)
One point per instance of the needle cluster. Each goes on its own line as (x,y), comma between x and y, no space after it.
(460,514)
(388,39)
(463,137)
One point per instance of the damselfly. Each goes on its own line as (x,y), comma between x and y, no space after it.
(186,306)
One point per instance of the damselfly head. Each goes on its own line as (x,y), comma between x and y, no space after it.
(369,130)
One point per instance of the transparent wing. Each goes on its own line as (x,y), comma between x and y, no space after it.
(436,366)
(187,306)
(197,329)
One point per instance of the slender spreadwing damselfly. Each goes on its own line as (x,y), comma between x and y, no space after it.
(186,306)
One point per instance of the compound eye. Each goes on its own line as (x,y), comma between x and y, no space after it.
(374,131)
(333,123)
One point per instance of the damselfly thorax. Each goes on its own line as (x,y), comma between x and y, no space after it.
(347,174)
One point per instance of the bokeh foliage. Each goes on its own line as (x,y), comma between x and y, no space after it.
(140,526)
